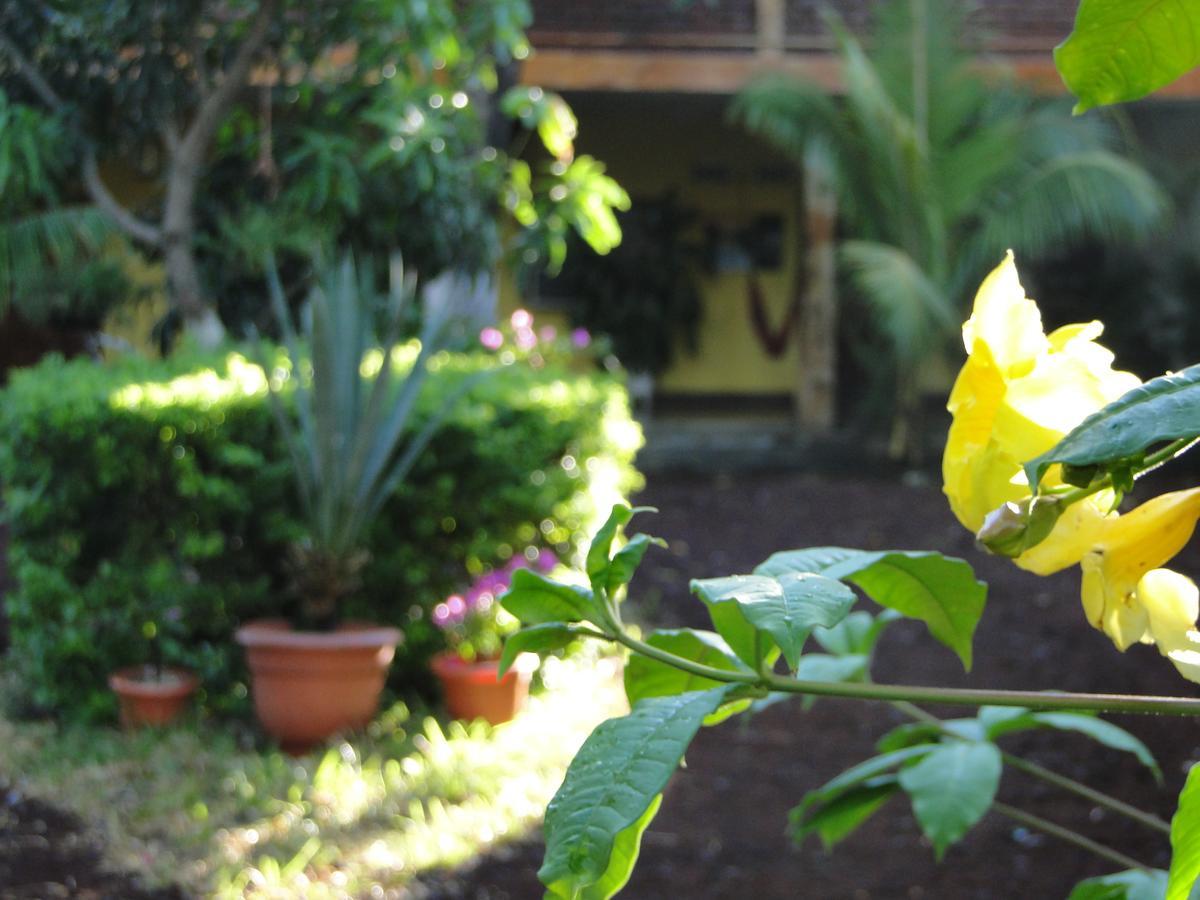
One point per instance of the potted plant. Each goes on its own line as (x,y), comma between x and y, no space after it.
(475,626)
(153,693)
(351,443)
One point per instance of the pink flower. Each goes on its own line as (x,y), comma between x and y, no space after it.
(580,338)
(521,319)
(526,339)
(491,338)
(456,605)
(547,333)
(441,615)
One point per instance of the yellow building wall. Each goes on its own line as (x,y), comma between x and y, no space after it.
(659,144)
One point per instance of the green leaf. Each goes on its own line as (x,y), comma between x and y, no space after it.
(534,639)
(626,846)
(939,590)
(1162,409)
(787,608)
(535,599)
(838,819)
(601,547)
(854,777)
(1121,50)
(616,776)
(952,788)
(1132,884)
(1103,732)
(1185,840)
(626,560)
(645,677)
(856,634)
(826,667)
(726,614)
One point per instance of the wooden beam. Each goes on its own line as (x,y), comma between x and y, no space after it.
(671,71)
(714,72)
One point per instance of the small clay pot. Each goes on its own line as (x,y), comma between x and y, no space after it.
(472,690)
(310,685)
(150,697)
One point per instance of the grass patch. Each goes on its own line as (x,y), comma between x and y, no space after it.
(200,807)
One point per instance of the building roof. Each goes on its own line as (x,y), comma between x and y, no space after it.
(714,46)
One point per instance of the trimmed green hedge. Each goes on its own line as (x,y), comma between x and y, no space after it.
(155,497)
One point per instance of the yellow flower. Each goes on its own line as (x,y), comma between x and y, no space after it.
(1019,392)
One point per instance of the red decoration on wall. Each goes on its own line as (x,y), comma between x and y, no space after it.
(773,340)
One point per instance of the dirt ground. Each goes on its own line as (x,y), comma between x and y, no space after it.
(720,833)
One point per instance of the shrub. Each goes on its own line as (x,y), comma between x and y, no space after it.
(138,487)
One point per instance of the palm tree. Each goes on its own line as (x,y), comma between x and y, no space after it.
(938,171)
(42,241)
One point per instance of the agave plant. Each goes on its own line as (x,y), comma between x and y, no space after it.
(938,171)
(351,438)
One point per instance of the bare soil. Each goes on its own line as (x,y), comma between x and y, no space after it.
(721,831)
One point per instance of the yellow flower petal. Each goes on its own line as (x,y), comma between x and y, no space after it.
(1172,603)
(1007,323)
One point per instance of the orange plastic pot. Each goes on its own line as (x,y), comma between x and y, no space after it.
(147,698)
(308,686)
(472,690)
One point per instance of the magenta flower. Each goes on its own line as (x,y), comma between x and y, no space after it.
(491,338)
(581,338)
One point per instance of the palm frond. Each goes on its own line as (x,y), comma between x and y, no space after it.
(1064,200)
(910,309)
(38,246)
(787,113)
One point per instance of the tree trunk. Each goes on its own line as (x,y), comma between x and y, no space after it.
(816,385)
(184,287)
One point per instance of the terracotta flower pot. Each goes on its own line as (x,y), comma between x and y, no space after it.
(310,685)
(472,690)
(147,699)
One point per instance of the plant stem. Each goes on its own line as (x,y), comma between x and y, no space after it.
(1051,777)
(1036,700)
(1153,461)
(1066,834)
(1082,790)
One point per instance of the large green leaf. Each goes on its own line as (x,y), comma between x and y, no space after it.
(952,788)
(837,819)
(1162,409)
(787,608)
(626,846)
(856,634)
(853,778)
(1185,841)
(618,773)
(535,599)
(1132,884)
(1125,49)
(939,590)
(534,639)
(646,677)
(1102,732)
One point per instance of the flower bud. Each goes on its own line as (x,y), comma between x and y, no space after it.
(1013,528)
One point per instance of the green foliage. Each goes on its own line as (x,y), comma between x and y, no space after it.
(644,293)
(1115,438)
(113,475)
(938,172)
(1133,884)
(1185,841)
(951,788)
(1123,50)
(938,590)
(51,249)
(617,776)
(786,608)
